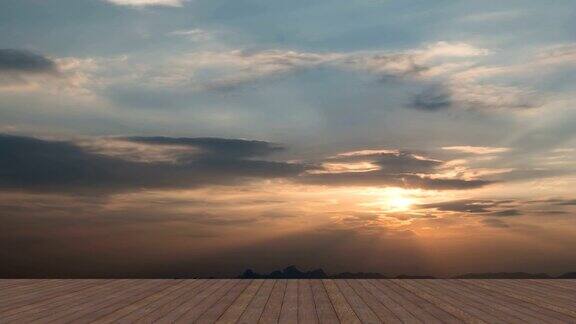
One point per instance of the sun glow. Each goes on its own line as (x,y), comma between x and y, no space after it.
(399,203)
(397,200)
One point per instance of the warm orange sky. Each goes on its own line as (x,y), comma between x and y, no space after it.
(204,137)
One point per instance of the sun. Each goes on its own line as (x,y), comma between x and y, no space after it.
(393,199)
(399,203)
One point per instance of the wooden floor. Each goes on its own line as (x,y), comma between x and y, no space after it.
(288,301)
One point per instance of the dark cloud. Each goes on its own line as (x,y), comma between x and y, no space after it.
(494,222)
(571,202)
(405,163)
(432,99)
(470,206)
(398,169)
(229,148)
(532,174)
(507,213)
(22,61)
(63,166)
(34,164)
(379,178)
(393,162)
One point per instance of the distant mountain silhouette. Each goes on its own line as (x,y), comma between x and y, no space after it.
(359,275)
(568,275)
(292,272)
(504,275)
(414,277)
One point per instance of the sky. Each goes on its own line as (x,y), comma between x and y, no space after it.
(169,138)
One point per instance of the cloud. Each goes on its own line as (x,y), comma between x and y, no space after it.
(559,54)
(108,165)
(506,213)
(495,16)
(477,207)
(229,148)
(393,169)
(480,150)
(447,72)
(144,3)
(22,61)
(488,96)
(451,49)
(228,69)
(432,99)
(494,222)
(445,66)
(469,94)
(570,202)
(63,166)
(197,35)
(464,206)
(379,179)
(20,68)
(24,71)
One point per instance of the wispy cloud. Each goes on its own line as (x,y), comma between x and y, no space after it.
(494,16)
(197,35)
(476,149)
(144,3)
(225,69)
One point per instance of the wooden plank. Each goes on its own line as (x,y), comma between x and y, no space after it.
(214,312)
(306,306)
(324,309)
(256,307)
(39,293)
(289,311)
(184,295)
(290,301)
(201,293)
(524,302)
(28,301)
(428,306)
(389,302)
(57,304)
(15,293)
(505,303)
(363,311)
(559,285)
(135,309)
(8,285)
(509,303)
(548,293)
(492,304)
(343,309)
(195,312)
(163,306)
(271,313)
(21,285)
(430,311)
(233,313)
(568,282)
(411,303)
(383,313)
(456,302)
(98,306)
(125,300)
